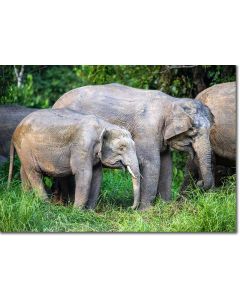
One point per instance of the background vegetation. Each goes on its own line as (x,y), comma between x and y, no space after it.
(40,86)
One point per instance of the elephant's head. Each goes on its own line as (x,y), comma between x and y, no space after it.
(187,128)
(117,150)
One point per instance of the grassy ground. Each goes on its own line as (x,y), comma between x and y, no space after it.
(213,211)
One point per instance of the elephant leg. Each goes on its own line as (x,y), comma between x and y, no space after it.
(56,190)
(165,178)
(35,179)
(150,169)
(64,189)
(70,188)
(26,185)
(60,192)
(95,186)
(83,179)
(3,160)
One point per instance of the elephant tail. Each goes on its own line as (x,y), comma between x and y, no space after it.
(10,173)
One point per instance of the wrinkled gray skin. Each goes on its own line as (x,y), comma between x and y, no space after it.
(60,143)
(156,121)
(221,100)
(10,117)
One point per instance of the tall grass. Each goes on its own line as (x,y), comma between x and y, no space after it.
(213,211)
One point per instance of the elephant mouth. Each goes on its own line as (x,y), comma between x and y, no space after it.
(116,165)
(121,165)
(184,146)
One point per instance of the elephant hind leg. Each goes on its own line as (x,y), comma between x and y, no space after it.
(35,178)
(3,160)
(59,190)
(26,185)
(63,190)
(165,178)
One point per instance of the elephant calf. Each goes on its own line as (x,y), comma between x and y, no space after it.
(61,142)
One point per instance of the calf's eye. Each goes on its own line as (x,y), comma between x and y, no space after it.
(122,148)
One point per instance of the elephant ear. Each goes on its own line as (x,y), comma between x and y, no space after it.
(101,138)
(177,122)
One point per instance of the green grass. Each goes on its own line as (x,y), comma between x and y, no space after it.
(213,211)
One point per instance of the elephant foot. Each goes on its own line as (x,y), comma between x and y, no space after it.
(57,198)
(166,197)
(58,201)
(200,183)
(145,206)
(168,200)
(90,207)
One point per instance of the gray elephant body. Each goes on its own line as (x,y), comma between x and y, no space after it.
(10,117)
(155,120)
(221,100)
(60,143)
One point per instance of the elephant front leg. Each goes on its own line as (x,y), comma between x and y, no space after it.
(83,180)
(149,182)
(165,178)
(95,186)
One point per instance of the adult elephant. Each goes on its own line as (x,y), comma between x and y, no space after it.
(221,100)
(10,117)
(156,121)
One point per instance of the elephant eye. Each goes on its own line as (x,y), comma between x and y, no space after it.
(122,147)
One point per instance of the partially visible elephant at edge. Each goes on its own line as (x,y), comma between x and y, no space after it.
(60,143)
(10,117)
(221,100)
(156,122)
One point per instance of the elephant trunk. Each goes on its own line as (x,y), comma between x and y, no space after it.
(203,151)
(133,169)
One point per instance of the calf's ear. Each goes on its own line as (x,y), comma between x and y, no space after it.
(101,138)
(177,122)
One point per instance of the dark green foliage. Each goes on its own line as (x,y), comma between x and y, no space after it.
(41,86)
